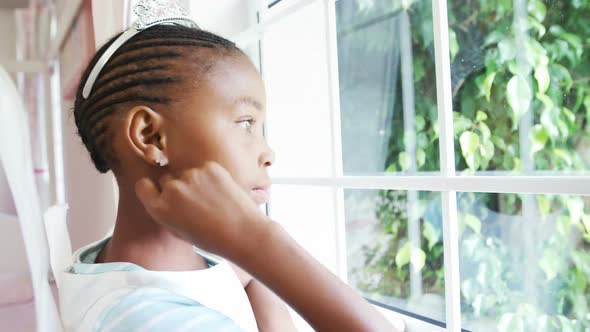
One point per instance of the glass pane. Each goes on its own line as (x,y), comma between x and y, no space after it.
(525,262)
(296,76)
(305,213)
(387,86)
(395,249)
(521,84)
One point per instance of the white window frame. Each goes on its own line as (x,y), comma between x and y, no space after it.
(446,181)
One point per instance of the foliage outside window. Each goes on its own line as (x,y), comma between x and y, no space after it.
(521,93)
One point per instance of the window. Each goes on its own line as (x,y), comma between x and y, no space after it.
(435,154)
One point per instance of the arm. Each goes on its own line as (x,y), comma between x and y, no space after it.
(206,207)
(271,313)
(312,290)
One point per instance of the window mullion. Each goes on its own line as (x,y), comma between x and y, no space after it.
(336,142)
(447,164)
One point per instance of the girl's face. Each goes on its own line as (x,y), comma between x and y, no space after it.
(222,121)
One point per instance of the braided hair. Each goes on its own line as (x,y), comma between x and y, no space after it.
(149,69)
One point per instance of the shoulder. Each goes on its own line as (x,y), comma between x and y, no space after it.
(154,309)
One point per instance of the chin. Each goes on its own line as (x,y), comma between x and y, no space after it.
(260,196)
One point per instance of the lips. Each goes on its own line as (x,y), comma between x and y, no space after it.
(261,195)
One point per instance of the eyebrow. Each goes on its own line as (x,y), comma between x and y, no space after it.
(249,101)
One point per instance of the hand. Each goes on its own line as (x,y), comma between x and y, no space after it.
(204,206)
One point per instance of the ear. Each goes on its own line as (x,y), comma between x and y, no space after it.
(145,135)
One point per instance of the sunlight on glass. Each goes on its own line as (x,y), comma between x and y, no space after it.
(395,249)
(387,86)
(525,262)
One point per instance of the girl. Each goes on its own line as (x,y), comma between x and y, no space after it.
(177,114)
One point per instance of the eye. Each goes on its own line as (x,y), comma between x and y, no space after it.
(246,124)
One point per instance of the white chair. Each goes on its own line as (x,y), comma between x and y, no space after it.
(15,156)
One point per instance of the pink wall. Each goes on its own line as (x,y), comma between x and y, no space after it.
(89,194)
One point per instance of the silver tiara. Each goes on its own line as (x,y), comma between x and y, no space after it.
(149,13)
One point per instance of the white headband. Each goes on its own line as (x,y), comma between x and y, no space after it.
(150,13)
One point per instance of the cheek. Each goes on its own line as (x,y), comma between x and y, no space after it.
(240,159)
(192,146)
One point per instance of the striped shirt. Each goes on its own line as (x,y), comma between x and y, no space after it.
(144,308)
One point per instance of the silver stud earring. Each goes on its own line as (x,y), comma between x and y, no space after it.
(161,162)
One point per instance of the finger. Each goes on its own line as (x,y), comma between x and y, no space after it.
(165,179)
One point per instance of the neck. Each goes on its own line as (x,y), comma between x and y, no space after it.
(138,239)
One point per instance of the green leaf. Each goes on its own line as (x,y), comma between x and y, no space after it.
(542,77)
(580,283)
(431,234)
(473,222)
(404,161)
(587,106)
(420,157)
(486,150)
(547,102)
(420,123)
(544,204)
(536,25)
(469,142)
(498,142)
(564,225)
(580,306)
(537,9)
(453,44)
(539,138)
(573,40)
(519,97)
(418,258)
(575,207)
(507,49)
(564,155)
(586,223)
(419,70)
(461,123)
(391,168)
(406,4)
(487,84)
(547,120)
(562,75)
(403,255)
(485,131)
(481,116)
(493,38)
(549,263)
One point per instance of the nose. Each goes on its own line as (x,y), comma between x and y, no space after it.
(267,157)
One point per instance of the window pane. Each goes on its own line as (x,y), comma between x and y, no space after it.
(520,80)
(525,262)
(305,213)
(395,249)
(387,86)
(296,77)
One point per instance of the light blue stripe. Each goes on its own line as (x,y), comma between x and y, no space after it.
(211,320)
(82,268)
(153,301)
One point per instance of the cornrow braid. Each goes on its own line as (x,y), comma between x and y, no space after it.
(147,69)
